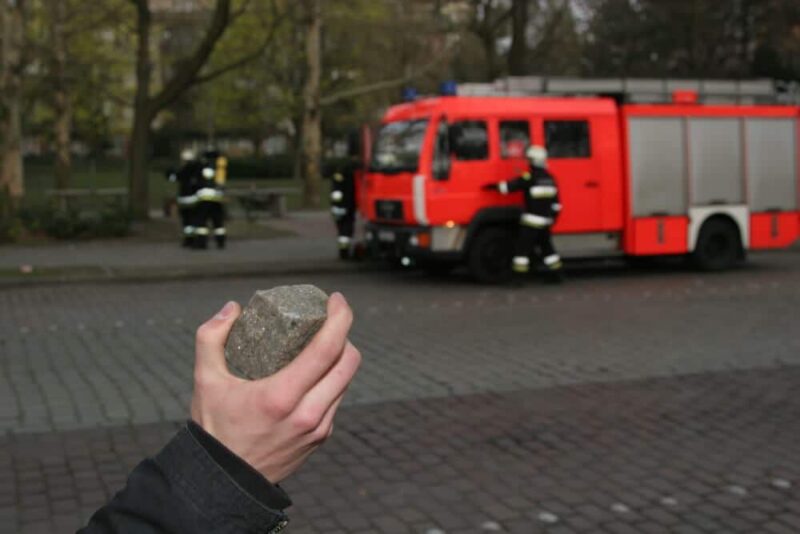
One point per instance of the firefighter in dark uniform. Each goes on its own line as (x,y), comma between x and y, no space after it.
(343,203)
(542,207)
(211,198)
(188,178)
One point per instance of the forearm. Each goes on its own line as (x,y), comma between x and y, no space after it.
(193,485)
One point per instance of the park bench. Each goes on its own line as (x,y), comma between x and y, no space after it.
(254,200)
(78,199)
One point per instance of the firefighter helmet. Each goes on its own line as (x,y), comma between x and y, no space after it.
(537,155)
(188,154)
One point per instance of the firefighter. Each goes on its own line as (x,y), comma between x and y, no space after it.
(188,180)
(343,202)
(542,208)
(211,198)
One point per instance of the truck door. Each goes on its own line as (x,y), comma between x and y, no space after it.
(577,171)
(470,167)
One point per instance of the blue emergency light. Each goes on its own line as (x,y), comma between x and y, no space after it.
(409,94)
(448,88)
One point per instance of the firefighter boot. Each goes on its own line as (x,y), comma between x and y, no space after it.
(220,239)
(201,240)
(520,267)
(344,247)
(553,265)
(187,241)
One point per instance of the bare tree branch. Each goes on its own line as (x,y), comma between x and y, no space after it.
(248,58)
(385,84)
(189,68)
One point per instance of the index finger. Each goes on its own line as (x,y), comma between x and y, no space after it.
(320,354)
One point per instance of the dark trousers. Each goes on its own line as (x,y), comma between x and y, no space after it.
(345,226)
(215,213)
(535,243)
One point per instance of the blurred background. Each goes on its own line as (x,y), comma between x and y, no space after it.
(641,396)
(105,94)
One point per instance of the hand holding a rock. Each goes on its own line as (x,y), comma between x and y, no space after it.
(274,423)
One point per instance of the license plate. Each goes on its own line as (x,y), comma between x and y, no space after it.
(386,235)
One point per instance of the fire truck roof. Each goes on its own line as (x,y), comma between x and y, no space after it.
(466,106)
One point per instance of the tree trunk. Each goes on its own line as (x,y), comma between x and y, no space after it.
(147,107)
(140,164)
(518,54)
(61,102)
(139,147)
(12,22)
(312,122)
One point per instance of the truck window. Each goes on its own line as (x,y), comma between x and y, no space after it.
(567,139)
(514,138)
(398,145)
(469,140)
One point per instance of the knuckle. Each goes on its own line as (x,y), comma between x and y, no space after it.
(201,336)
(321,433)
(276,406)
(355,356)
(307,421)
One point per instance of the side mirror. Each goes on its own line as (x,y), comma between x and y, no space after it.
(441,153)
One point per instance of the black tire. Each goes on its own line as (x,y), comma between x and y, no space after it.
(718,247)
(489,257)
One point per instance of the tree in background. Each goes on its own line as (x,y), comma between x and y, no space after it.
(185,73)
(13,61)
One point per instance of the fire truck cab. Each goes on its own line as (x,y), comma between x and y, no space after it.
(711,181)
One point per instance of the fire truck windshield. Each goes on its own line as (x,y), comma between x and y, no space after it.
(398,146)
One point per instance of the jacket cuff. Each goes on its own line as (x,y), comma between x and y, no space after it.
(217,481)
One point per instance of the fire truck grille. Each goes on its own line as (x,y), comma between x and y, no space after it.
(389,210)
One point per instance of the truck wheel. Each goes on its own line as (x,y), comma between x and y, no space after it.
(490,255)
(718,247)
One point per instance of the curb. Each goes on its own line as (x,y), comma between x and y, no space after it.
(113,275)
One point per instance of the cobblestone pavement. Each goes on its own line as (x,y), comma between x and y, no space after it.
(624,401)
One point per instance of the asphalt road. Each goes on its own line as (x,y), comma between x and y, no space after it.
(627,400)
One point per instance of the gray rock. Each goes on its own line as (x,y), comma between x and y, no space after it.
(273,328)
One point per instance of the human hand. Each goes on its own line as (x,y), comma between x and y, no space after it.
(275,423)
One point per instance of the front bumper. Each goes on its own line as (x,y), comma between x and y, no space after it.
(394,242)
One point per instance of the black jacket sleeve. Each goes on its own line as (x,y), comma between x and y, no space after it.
(193,485)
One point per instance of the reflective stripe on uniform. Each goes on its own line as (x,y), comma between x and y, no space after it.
(343,241)
(338,177)
(526,175)
(220,231)
(521,264)
(209,193)
(337,196)
(208,172)
(186,200)
(555,206)
(503,187)
(201,231)
(535,221)
(543,191)
(338,212)
(553,261)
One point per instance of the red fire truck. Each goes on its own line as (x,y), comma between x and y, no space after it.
(675,178)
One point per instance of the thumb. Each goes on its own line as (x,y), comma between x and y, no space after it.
(210,343)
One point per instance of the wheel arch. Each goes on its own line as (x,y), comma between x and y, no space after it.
(496,216)
(737,216)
